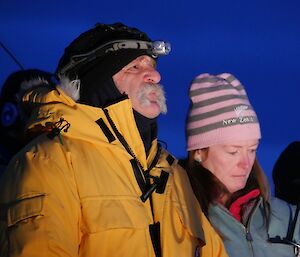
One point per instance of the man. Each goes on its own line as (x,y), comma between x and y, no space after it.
(12,116)
(98,183)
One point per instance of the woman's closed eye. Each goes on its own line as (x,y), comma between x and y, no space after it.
(252,150)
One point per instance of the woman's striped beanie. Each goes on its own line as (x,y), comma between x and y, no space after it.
(220,112)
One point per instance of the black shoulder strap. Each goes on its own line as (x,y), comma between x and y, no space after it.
(110,137)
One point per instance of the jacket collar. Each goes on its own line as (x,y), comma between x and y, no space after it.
(48,107)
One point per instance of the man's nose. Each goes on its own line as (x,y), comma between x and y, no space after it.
(152,76)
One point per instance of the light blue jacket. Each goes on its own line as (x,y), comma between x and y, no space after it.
(252,240)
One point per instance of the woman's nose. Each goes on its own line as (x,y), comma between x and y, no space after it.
(245,161)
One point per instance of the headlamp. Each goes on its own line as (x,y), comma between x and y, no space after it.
(155,49)
(161,48)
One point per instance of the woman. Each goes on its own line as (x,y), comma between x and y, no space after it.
(222,138)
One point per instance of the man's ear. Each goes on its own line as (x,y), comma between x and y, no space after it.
(117,78)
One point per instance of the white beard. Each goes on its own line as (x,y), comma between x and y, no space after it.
(160,94)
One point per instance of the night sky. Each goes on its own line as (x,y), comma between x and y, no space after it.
(258,41)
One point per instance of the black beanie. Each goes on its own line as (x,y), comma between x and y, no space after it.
(96,63)
(286,174)
(109,61)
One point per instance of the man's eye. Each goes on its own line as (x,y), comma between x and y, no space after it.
(133,68)
(136,66)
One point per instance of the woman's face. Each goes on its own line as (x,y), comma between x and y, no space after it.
(230,163)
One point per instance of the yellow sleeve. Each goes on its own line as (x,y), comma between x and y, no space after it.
(41,211)
(214,246)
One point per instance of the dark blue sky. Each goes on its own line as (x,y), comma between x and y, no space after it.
(257,40)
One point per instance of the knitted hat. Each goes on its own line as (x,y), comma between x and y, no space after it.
(220,112)
(99,53)
(108,46)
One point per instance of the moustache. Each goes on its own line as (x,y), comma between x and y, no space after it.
(158,90)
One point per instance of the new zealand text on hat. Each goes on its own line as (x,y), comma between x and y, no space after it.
(220,112)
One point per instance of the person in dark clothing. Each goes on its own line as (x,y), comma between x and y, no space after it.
(286,174)
(12,114)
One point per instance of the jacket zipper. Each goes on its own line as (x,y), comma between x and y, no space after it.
(246,229)
(154,229)
(247,226)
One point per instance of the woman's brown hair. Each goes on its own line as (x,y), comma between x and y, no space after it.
(208,188)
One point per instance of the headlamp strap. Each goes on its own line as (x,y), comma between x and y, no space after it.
(154,49)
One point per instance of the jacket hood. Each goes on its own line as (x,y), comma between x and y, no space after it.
(54,110)
(101,94)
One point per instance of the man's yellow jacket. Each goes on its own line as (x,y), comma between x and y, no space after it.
(77,189)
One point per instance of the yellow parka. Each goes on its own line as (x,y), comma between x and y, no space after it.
(73,191)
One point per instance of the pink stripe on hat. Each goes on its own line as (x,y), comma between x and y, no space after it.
(220,112)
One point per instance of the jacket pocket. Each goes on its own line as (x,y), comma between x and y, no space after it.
(102,214)
(116,225)
(191,220)
(26,206)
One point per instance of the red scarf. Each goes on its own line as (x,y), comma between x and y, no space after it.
(236,206)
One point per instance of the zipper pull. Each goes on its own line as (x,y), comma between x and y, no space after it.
(61,125)
(248,235)
(60,138)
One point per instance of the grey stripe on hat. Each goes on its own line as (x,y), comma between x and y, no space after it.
(218,99)
(206,79)
(205,90)
(221,124)
(231,78)
(213,113)
(213,79)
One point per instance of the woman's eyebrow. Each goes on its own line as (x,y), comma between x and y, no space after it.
(240,146)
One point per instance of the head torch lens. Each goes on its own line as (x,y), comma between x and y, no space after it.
(161,48)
